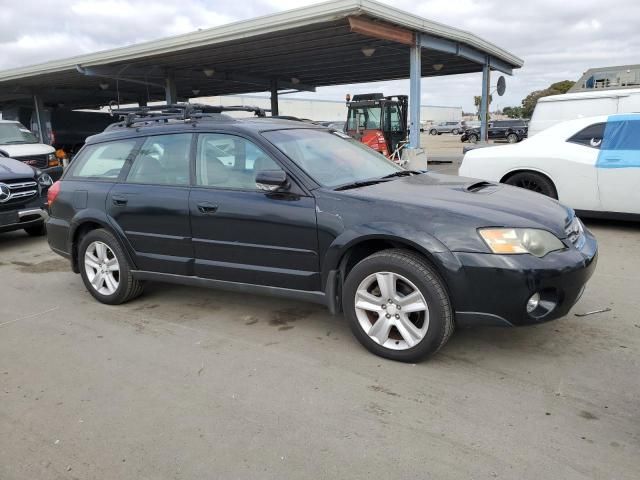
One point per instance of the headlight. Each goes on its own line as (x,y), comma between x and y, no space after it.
(45,180)
(520,240)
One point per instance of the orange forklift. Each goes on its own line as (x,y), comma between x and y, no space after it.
(379,122)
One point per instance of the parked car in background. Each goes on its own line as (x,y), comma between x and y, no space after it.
(554,109)
(445,127)
(591,164)
(22,197)
(313,215)
(513,131)
(17,142)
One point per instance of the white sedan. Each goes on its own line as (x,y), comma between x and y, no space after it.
(591,164)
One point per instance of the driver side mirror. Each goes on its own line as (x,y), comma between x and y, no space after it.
(271,180)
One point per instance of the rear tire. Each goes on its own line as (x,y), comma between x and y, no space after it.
(37,231)
(473,138)
(433,131)
(105,270)
(512,138)
(535,182)
(455,131)
(417,319)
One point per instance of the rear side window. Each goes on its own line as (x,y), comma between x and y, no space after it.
(103,161)
(162,160)
(590,136)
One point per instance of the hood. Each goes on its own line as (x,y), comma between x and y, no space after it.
(26,149)
(447,199)
(12,169)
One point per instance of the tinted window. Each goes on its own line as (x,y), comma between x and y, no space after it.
(331,159)
(103,160)
(590,136)
(162,160)
(228,161)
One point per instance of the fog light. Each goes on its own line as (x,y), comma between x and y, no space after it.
(533,302)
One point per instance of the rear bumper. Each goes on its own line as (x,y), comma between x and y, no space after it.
(494,289)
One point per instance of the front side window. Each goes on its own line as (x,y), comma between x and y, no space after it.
(102,161)
(162,160)
(331,158)
(368,118)
(229,161)
(590,136)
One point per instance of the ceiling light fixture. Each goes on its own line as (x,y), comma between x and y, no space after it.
(208,72)
(104,85)
(437,66)
(368,51)
(195,91)
(295,80)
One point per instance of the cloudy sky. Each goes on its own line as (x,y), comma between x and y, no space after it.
(557,39)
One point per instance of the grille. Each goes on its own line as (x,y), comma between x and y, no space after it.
(16,191)
(575,232)
(38,161)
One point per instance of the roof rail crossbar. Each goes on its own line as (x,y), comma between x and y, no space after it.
(177,111)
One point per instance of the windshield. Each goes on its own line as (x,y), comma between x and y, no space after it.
(367,118)
(331,158)
(15,133)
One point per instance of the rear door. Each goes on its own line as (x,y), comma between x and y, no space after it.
(151,204)
(242,234)
(618,165)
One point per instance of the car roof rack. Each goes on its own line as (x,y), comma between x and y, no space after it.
(135,116)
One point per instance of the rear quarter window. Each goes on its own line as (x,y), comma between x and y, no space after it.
(102,161)
(590,136)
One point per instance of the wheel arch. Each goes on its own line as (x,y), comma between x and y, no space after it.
(546,175)
(350,248)
(86,222)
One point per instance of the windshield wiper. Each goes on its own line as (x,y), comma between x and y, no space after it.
(361,183)
(402,173)
(14,142)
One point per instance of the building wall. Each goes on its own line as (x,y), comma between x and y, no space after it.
(322,110)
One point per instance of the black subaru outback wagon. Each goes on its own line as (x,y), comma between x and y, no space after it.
(270,206)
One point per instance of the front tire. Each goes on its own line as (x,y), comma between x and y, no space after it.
(534,182)
(473,138)
(105,270)
(455,131)
(397,306)
(433,131)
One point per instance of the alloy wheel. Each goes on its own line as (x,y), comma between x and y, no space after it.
(102,268)
(391,310)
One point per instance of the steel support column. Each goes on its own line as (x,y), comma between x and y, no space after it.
(415,72)
(484,102)
(38,110)
(170,93)
(274,97)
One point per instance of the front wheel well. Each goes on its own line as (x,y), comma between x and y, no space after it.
(365,248)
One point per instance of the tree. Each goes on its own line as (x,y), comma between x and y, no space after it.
(530,101)
(512,112)
(477,101)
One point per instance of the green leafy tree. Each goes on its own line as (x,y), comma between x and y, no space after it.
(512,112)
(477,101)
(530,101)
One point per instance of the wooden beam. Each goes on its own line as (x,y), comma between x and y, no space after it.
(381,30)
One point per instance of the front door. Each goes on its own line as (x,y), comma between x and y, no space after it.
(242,234)
(151,204)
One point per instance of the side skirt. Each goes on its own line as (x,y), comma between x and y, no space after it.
(302,295)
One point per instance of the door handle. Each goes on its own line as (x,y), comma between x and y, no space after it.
(119,201)
(207,208)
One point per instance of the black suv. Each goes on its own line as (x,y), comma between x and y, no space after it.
(262,205)
(22,197)
(513,131)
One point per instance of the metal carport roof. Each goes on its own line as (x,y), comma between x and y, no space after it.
(299,49)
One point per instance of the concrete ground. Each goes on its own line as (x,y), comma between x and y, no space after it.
(187,383)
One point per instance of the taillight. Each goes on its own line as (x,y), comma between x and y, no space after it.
(53,192)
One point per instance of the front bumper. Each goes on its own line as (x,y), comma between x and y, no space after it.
(54,172)
(494,289)
(22,218)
